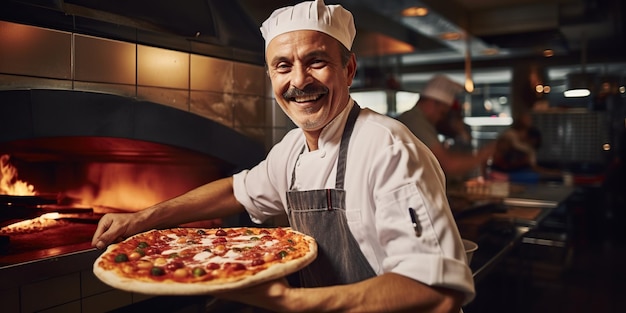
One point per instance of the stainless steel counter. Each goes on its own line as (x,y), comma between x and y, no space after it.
(539,195)
(504,224)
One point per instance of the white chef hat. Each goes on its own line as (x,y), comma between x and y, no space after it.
(442,88)
(333,20)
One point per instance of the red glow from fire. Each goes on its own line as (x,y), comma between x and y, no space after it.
(9,184)
(106,174)
(130,186)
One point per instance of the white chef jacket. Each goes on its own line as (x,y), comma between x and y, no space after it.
(415,120)
(388,171)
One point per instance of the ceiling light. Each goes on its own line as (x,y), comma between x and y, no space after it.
(576,93)
(546,89)
(577,85)
(469,85)
(548,53)
(415,11)
(469,82)
(539,88)
(490,51)
(450,36)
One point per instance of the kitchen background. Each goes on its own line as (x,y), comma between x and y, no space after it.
(166,95)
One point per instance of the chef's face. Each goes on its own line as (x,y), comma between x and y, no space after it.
(309,80)
(442,110)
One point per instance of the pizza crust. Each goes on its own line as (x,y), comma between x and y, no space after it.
(170,287)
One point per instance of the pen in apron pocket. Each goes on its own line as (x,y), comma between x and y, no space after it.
(416,225)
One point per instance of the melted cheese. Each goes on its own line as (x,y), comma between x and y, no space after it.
(202,256)
(240,242)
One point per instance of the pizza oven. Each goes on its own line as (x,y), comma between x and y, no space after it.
(68,157)
(109,107)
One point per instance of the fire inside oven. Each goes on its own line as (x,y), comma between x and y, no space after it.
(54,189)
(54,201)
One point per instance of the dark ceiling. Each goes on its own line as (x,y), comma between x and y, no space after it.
(590,32)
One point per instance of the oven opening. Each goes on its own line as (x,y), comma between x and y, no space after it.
(53,191)
(67,158)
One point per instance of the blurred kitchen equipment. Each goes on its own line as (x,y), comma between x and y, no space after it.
(470,247)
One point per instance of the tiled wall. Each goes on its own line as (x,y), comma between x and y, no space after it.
(231,93)
(63,284)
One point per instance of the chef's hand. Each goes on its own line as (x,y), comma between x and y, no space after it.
(268,295)
(487,151)
(112,227)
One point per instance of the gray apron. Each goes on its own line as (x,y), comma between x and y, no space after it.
(322,214)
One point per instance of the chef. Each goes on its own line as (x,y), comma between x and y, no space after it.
(431,109)
(369,192)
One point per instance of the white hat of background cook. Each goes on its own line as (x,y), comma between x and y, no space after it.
(333,20)
(442,88)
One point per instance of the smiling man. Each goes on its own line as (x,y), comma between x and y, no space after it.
(369,192)
(308,78)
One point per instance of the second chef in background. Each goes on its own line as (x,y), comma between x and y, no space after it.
(432,108)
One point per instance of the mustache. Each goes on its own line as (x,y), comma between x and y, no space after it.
(308,90)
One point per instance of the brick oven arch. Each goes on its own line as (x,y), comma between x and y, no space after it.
(67,116)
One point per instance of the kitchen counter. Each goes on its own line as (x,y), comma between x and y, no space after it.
(498,225)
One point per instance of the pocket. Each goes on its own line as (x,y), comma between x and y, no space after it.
(397,196)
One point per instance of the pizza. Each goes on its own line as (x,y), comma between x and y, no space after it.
(195,261)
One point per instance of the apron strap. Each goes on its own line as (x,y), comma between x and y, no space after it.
(343,147)
(293,172)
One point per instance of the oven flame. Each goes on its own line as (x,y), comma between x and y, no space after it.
(9,184)
(128,186)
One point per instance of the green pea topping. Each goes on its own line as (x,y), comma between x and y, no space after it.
(282,254)
(157,271)
(142,245)
(198,271)
(122,257)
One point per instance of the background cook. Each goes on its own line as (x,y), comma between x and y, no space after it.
(431,109)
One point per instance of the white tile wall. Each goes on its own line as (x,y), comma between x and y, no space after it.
(50,292)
